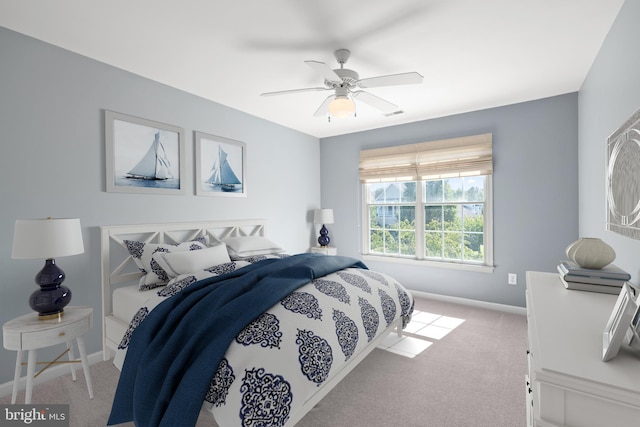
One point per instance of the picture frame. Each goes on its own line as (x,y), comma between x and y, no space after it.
(619,323)
(633,334)
(143,156)
(221,166)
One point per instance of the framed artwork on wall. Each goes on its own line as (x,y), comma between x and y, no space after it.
(143,156)
(221,166)
(623,179)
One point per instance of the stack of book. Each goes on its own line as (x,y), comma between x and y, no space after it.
(608,280)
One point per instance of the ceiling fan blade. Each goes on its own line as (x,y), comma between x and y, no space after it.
(386,107)
(323,109)
(325,71)
(285,92)
(391,80)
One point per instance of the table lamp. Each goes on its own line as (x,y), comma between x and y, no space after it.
(48,239)
(323,216)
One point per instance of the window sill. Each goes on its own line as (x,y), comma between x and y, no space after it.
(427,263)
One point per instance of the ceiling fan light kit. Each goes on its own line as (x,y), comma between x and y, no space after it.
(343,81)
(341,106)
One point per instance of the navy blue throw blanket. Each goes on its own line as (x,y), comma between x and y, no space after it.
(174,353)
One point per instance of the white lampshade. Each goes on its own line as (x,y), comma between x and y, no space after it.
(341,107)
(46,238)
(323,216)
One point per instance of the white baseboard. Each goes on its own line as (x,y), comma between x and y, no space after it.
(53,372)
(480,304)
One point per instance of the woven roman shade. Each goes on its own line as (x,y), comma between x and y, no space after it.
(465,156)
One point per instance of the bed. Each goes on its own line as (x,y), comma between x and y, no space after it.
(322,315)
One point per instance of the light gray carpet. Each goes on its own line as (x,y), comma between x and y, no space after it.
(474,376)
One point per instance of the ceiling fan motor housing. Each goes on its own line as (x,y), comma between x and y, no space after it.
(349,78)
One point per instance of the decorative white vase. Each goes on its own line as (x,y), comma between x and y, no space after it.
(591,252)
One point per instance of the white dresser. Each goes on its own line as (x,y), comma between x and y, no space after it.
(569,383)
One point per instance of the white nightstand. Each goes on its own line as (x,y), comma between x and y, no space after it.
(327,250)
(29,333)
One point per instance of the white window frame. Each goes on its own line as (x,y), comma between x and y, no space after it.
(442,159)
(419,258)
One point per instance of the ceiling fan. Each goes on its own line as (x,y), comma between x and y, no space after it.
(344,83)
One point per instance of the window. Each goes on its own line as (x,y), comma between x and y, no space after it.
(429,202)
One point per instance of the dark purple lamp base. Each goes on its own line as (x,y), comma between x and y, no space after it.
(49,301)
(324,240)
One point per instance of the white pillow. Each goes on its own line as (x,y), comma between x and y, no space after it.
(177,263)
(245,246)
(142,254)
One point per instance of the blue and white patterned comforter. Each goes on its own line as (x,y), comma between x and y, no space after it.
(282,358)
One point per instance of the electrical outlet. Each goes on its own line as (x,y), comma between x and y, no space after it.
(513,279)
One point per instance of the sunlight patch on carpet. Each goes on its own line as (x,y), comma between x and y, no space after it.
(420,333)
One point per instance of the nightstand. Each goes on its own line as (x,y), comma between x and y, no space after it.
(327,250)
(30,333)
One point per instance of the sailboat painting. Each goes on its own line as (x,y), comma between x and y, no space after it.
(220,166)
(155,164)
(143,156)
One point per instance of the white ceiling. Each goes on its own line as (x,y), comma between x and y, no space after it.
(473,54)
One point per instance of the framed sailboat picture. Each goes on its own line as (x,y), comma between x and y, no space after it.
(143,156)
(221,166)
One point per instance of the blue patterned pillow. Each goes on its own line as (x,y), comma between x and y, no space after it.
(153,274)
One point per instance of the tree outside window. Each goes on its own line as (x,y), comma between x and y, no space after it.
(452,210)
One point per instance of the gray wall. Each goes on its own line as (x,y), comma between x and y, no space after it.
(609,95)
(535,188)
(52,138)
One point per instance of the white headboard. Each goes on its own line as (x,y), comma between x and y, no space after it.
(118,266)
